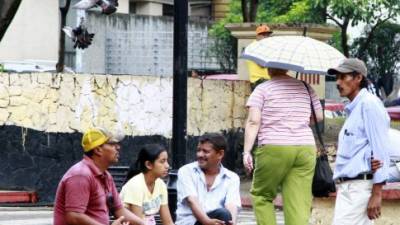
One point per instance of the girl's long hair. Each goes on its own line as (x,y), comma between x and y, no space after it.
(149,152)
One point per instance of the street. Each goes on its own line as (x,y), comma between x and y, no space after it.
(43,216)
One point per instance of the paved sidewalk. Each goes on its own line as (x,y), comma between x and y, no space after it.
(44,216)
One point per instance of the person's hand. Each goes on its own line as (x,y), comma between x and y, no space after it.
(214,222)
(248,162)
(374,206)
(119,221)
(375,165)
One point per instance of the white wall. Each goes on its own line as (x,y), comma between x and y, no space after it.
(150,9)
(123,6)
(33,33)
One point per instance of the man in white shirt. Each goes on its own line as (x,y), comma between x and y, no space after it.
(208,193)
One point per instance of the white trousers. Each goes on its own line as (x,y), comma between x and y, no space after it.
(352,202)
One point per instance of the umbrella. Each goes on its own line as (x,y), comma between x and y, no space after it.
(297,53)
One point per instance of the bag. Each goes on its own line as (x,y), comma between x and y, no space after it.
(323,182)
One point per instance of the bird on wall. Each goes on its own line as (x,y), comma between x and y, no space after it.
(107,6)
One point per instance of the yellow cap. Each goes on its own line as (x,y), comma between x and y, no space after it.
(263,29)
(94,137)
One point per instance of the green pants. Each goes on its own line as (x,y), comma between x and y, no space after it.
(292,169)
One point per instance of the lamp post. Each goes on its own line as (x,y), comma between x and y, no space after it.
(179,96)
(179,108)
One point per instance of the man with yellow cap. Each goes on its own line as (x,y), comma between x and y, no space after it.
(258,74)
(87,194)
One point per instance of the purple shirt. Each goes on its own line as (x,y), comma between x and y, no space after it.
(84,189)
(285,111)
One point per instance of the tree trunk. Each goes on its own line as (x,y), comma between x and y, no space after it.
(245,11)
(253,10)
(61,49)
(343,36)
(8,9)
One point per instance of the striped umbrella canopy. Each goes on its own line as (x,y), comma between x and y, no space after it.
(297,53)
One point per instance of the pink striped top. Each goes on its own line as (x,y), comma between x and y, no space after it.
(285,111)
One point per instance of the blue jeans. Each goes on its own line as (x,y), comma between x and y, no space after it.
(220,214)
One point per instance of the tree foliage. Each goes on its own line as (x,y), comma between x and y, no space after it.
(290,11)
(352,12)
(276,11)
(382,53)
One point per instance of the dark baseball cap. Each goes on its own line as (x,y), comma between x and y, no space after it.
(348,66)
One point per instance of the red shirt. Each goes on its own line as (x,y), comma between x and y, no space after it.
(84,189)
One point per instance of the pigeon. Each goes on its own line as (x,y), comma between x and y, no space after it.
(85,4)
(107,6)
(69,32)
(80,36)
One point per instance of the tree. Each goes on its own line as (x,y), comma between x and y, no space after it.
(279,11)
(61,49)
(8,9)
(352,12)
(249,10)
(382,54)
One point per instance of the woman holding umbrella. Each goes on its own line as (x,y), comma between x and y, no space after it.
(279,116)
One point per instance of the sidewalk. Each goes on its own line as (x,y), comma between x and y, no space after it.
(245,185)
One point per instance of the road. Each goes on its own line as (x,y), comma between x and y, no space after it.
(44,216)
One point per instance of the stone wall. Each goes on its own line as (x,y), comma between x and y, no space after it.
(42,117)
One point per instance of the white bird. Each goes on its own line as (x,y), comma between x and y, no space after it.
(85,4)
(107,7)
(69,32)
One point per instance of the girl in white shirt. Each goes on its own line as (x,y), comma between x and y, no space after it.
(145,194)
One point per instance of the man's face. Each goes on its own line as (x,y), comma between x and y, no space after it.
(110,151)
(207,156)
(262,36)
(348,85)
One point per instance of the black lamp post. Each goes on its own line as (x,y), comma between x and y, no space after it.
(179,105)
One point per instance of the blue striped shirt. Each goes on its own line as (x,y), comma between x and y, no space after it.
(365,133)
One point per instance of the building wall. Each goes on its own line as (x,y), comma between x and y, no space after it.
(42,117)
(123,6)
(33,33)
(141,45)
(149,8)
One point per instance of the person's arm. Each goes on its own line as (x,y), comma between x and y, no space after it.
(233,209)
(232,199)
(375,202)
(75,218)
(199,214)
(317,106)
(165,215)
(251,130)
(129,216)
(376,123)
(137,210)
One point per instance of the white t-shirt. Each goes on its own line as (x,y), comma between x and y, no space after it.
(135,192)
